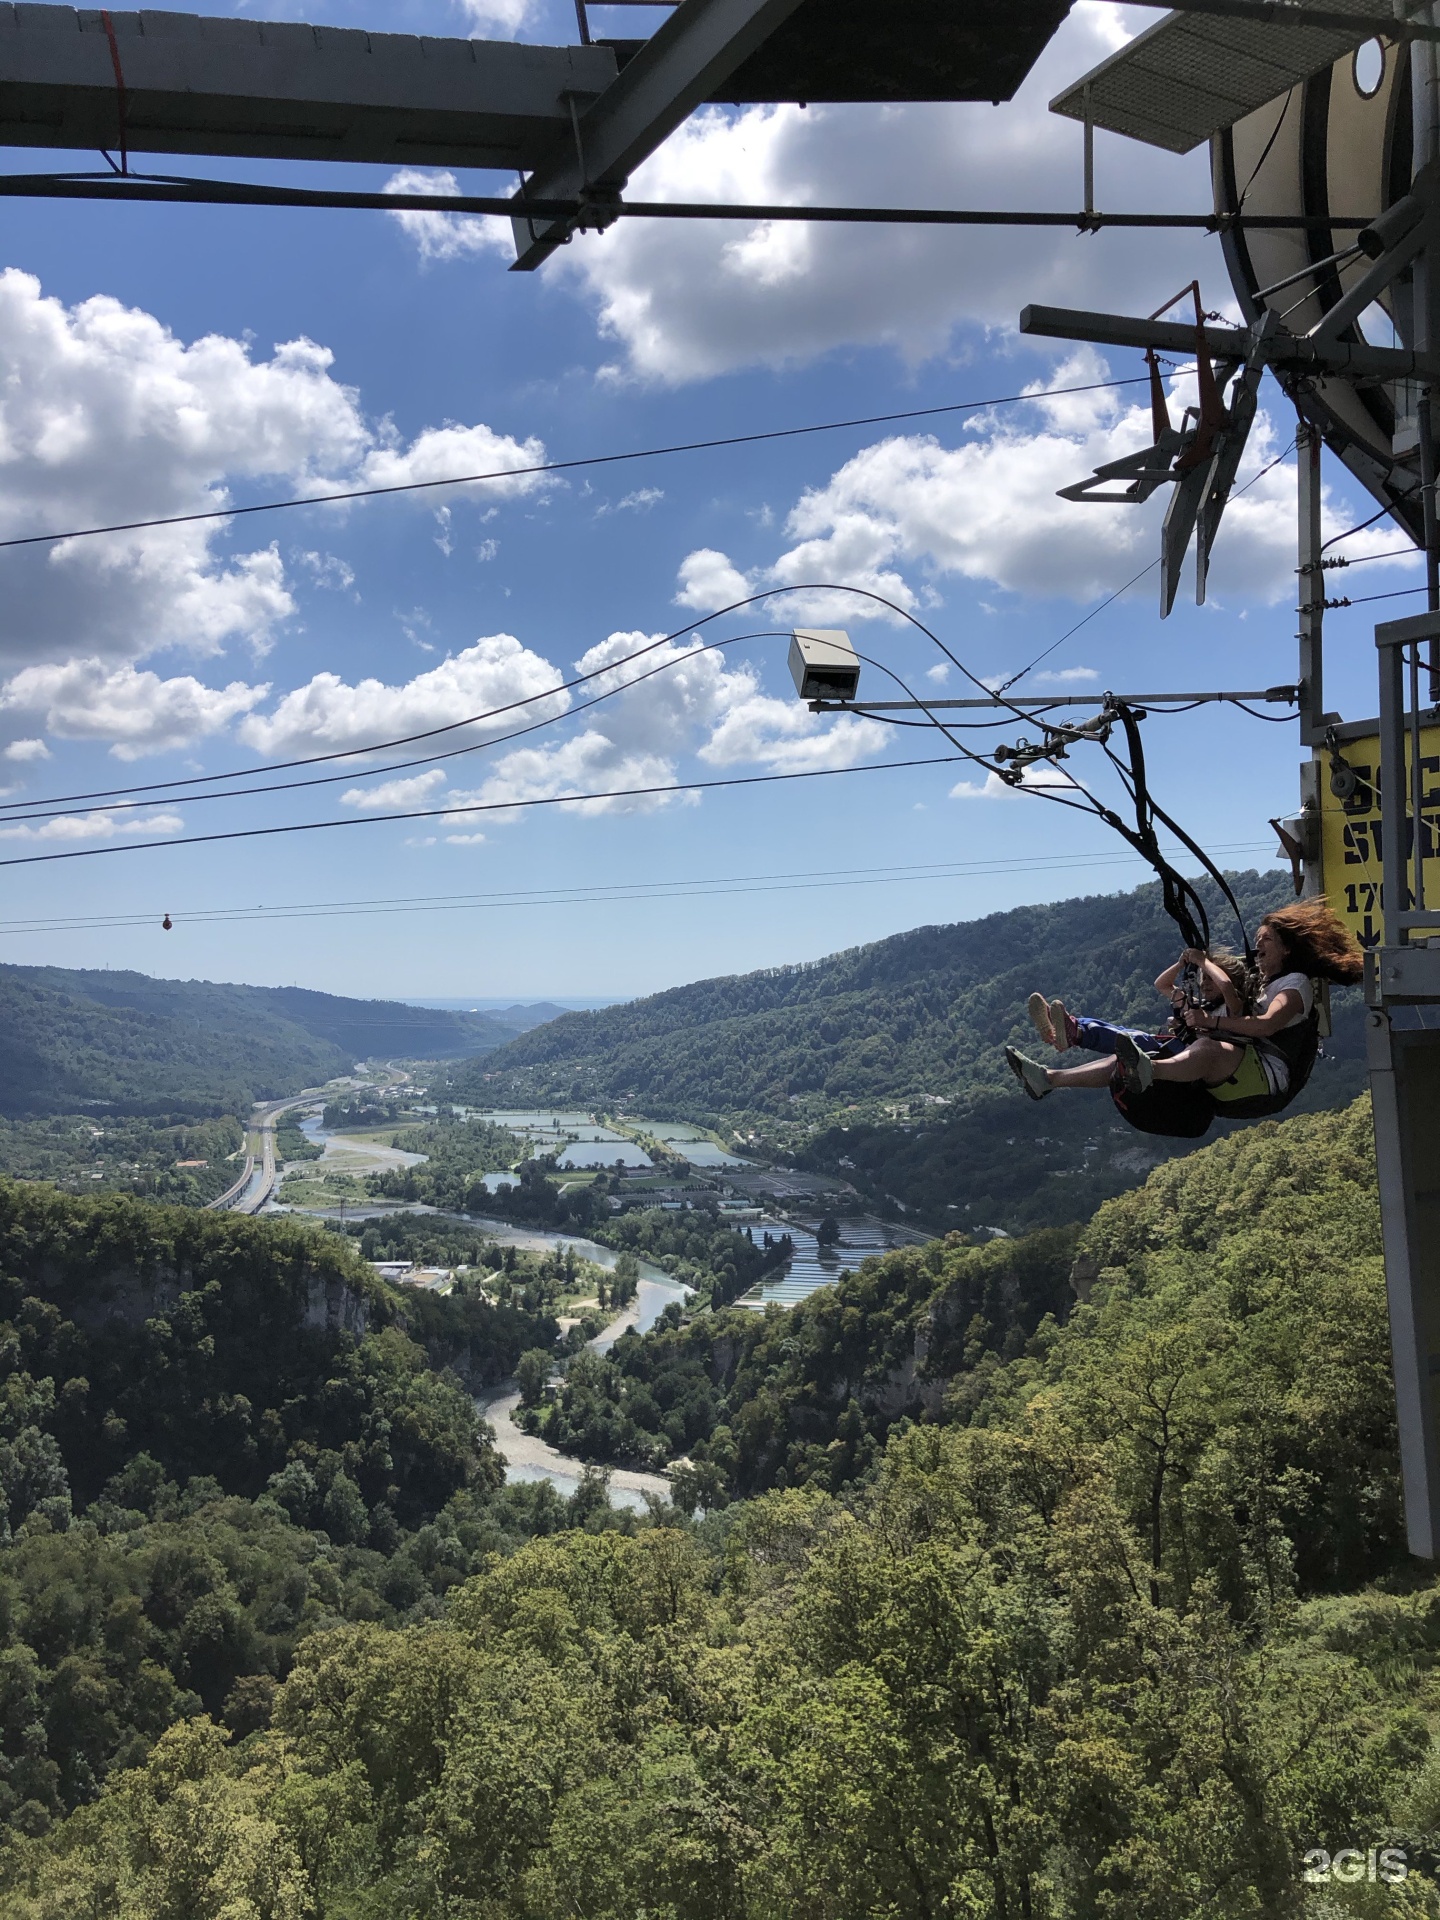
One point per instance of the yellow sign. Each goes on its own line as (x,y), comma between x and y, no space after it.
(1351,839)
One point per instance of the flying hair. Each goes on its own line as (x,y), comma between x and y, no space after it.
(1317,941)
(1238,971)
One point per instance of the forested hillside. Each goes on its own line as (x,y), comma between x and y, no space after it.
(216,1436)
(884,1065)
(1116,1623)
(69,1040)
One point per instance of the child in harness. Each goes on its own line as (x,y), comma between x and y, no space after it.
(1218,982)
(1239,1065)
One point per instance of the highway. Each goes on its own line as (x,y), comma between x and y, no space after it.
(249,1194)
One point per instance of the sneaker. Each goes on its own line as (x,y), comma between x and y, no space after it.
(1136,1066)
(1039,1011)
(1031,1075)
(1062,1025)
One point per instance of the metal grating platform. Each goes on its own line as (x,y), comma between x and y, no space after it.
(1193,75)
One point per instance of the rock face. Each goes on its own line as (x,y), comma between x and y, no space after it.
(120,1262)
(336,1305)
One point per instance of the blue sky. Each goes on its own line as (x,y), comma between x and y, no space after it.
(157,360)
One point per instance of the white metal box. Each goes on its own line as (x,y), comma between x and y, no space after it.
(823,664)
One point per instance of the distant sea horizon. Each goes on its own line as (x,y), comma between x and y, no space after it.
(492,1004)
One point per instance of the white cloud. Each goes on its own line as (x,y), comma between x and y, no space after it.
(395,794)
(587,762)
(106,417)
(709,580)
(27,750)
(640,501)
(458,840)
(685,302)
(95,826)
(440,452)
(1042,774)
(450,236)
(138,711)
(1065,677)
(327,570)
(909,511)
(939,674)
(701,702)
(327,713)
(786,736)
(497,19)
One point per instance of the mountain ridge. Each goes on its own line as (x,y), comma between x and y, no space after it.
(89,1037)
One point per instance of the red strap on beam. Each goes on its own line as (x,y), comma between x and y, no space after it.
(119,86)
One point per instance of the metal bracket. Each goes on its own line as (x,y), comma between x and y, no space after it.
(1402,976)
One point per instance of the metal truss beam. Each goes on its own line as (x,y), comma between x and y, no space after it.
(184,83)
(681,66)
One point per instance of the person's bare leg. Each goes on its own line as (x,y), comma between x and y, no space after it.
(1204,1059)
(1096,1073)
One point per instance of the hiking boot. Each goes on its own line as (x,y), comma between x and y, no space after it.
(1031,1075)
(1039,1010)
(1135,1065)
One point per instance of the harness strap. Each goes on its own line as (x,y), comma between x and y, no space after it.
(1181,901)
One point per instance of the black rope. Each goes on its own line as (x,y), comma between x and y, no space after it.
(1179,896)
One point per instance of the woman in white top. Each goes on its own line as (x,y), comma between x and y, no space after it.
(1265,1055)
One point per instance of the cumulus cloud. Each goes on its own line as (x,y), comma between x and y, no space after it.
(107,417)
(585,763)
(709,580)
(787,737)
(685,302)
(440,452)
(396,794)
(137,711)
(95,826)
(702,700)
(698,704)
(446,236)
(27,750)
(328,713)
(909,511)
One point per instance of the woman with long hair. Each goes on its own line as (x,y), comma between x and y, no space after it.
(1245,1065)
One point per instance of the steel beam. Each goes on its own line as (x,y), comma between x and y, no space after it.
(681,66)
(193,84)
(1229,343)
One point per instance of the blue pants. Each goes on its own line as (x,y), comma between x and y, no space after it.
(1099,1036)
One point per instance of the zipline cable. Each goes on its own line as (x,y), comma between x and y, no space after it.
(111,796)
(1182,903)
(474,807)
(50,810)
(625,893)
(1176,890)
(561,466)
(1134,580)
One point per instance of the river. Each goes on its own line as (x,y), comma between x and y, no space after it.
(529,1458)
